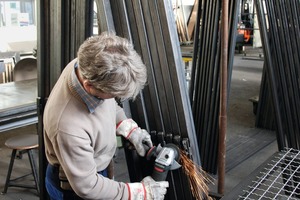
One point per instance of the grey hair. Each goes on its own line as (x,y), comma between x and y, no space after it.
(111,65)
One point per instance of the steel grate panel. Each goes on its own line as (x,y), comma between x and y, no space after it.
(280,178)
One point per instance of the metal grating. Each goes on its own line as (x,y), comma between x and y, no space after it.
(280,178)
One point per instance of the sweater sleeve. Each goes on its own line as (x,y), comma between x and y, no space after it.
(75,155)
(120,114)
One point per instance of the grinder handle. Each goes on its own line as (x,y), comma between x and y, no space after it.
(160,172)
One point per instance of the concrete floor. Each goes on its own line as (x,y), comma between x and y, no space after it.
(242,136)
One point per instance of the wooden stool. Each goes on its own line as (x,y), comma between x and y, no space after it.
(26,143)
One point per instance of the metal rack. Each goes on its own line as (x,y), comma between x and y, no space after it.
(279,179)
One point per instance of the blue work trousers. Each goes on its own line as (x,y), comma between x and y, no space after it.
(54,190)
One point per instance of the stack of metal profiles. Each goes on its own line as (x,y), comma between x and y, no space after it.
(18,117)
(280,178)
(279,25)
(163,107)
(205,79)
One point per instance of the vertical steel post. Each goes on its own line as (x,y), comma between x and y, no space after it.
(223,97)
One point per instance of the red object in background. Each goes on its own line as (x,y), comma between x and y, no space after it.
(247,33)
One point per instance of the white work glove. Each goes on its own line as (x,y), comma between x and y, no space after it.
(140,138)
(148,189)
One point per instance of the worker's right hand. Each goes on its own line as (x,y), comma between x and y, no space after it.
(140,138)
(148,189)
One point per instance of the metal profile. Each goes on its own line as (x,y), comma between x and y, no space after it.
(176,66)
(105,17)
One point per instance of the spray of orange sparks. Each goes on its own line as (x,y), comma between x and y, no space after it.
(198,178)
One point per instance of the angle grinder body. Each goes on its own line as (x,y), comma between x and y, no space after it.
(166,158)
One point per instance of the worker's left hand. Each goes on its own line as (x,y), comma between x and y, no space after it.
(140,138)
(155,190)
(147,189)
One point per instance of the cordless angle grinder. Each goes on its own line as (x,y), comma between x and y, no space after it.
(166,158)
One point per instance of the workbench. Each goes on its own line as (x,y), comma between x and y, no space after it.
(18,105)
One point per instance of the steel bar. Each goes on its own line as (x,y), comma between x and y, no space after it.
(208,117)
(104,14)
(145,52)
(163,91)
(205,58)
(200,74)
(196,71)
(267,54)
(159,38)
(295,10)
(208,58)
(215,109)
(233,21)
(119,9)
(113,9)
(196,45)
(291,70)
(278,71)
(202,64)
(198,79)
(287,62)
(295,30)
(203,76)
(140,111)
(223,99)
(43,64)
(174,58)
(264,113)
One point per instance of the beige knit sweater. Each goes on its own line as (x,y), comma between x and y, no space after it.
(80,142)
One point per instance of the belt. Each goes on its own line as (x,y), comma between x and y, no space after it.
(65,185)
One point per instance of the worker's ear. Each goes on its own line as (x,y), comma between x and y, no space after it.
(87,85)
